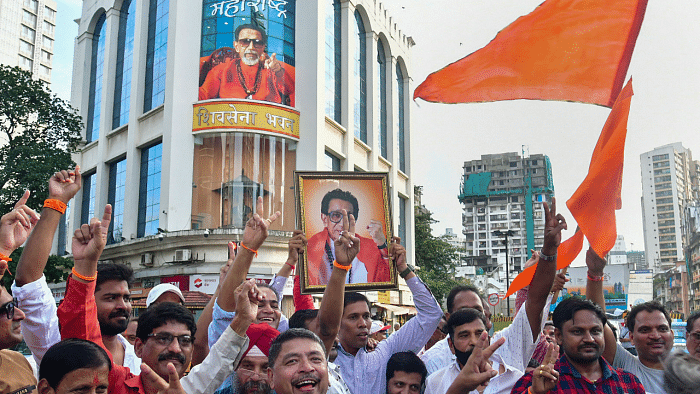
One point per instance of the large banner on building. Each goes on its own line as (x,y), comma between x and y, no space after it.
(247,50)
(615,285)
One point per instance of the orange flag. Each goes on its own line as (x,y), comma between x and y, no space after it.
(570,50)
(594,203)
(566,253)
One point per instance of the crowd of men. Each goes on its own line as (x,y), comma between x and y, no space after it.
(243,344)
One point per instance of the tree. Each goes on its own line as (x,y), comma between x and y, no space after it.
(436,258)
(57,269)
(38,133)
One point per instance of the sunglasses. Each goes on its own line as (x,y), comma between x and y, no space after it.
(336,216)
(256,43)
(9,309)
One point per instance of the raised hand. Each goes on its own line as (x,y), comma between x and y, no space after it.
(16,225)
(231,256)
(347,246)
(477,371)
(532,260)
(296,246)
(64,185)
(376,231)
(545,377)
(595,263)
(559,283)
(553,225)
(154,384)
(273,64)
(90,239)
(247,298)
(256,228)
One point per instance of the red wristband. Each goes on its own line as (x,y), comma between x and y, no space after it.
(291,265)
(255,252)
(595,278)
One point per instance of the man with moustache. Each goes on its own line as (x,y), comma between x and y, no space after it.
(251,75)
(650,332)
(692,335)
(579,330)
(298,363)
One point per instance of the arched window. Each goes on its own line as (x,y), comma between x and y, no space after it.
(332,65)
(125,55)
(382,110)
(96,72)
(156,54)
(360,96)
(400,121)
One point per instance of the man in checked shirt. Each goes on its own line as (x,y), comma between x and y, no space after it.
(579,327)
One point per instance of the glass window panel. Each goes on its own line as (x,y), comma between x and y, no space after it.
(88,203)
(401,116)
(125,55)
(149,191)
(360,96)
(156,52)
(333,52)
(97,67)
(116,193)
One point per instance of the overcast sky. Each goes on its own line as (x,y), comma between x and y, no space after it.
(665,69)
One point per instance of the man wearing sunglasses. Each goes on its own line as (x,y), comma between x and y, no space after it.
(372,262)
(253,74)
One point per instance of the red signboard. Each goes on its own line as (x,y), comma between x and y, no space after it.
(181,281)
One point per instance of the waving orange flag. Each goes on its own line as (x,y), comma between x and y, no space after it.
(569,50)
(594,203)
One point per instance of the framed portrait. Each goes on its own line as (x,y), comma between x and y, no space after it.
(320,198)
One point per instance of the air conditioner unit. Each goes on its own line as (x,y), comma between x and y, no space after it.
(183,255)
(147,259)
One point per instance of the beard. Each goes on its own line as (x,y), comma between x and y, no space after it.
(253,387)
(111,328)
(248,61)
(462,357)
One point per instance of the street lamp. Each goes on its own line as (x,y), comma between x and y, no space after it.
(509,233)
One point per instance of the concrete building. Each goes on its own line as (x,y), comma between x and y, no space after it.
(183,160)
(503,192)
(27,31)
(618,253)
(666,188)
(637,260)
(457,242)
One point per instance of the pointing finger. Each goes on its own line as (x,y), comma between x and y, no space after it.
(23,199)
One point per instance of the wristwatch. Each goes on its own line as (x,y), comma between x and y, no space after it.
(548,258)
(408,270)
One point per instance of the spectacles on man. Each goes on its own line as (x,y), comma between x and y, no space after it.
(250,373)
(166,338)
(9,309)
(256,43)
(336,216)
(695,335)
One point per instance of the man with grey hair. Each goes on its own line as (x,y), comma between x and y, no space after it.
(298,361)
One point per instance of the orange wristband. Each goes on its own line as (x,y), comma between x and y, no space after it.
(6,258)
(249,249)
(342,267)
(56,205)
(595,278)
(83,277)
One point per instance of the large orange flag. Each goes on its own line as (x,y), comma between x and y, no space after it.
(594,203)
(570,50)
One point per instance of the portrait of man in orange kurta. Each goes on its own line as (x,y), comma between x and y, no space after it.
(372,262)
(250,73)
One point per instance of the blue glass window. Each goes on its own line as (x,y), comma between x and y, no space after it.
(400,121)
(125,56)
(333,69)
(149,190)
(360,104)
(117,186)
(96,70)
(402,219)
(382,113)
(332,162)
(87,211)
(156,54)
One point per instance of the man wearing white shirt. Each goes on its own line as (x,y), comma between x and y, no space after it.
(511,359)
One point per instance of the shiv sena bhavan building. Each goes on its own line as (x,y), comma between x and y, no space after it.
(186,124)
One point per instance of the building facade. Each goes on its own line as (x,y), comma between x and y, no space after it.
(502,192)
(27,31)
(666,189)
(185,128)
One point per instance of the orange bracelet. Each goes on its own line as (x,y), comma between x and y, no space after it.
(6,258)
(595,278)
(342,267)
(83,277)
(56,205)
(249,249)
